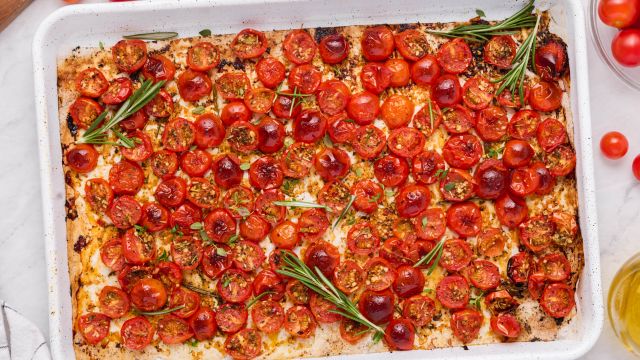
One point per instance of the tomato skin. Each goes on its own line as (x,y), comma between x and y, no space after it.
(511,210)
(91,83)
(254,228)
(125,212)
(244,345)
(363,107)
(375,77)
(332,163)
(524,181)
(340,128)
(618,13)
(270,71)
(614,145)
(193,85)
(114,302)
(171,192)
(426,70)
(400,334)
(377,43)
(235,111)
(396,111)
(203,56)
(491,178)
(268,316)
(306,78)
(203,324)
(453,292)
(462,151)
(84,111)
(129,55)
(517,153)
(626,47)
(266,173)
(454,56)
(333,96)
(635,167)
(391,170)
(412,200)
(446,91)
(220,225)
(82,158)
(158,67)
(547,96)
(557,300)
(309,127)
(551,60)
(209,131)
(136,333)
(377,307)
(506,325)
(500,51)
(299,47)
(465,219)
(400,72)
(231,317)
(466,324)
(408,282)
(148,295)
(249,44)
(425,166)
(98,194)
(333,48)
(227,172)
(94,327)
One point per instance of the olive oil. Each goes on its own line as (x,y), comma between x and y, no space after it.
(624,304)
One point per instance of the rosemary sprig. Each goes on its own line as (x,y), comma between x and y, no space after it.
(159,312)
(97,134)
(482,32)
(257,298)
(435,254)
(295,95)
(516,76)
(344,211)
(301,204)
(475,301)
(431,116)
(319,284)
(166,35)
(200,291)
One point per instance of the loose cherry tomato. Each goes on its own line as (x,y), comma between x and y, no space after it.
(231,317)
(557,300)
(306,78)
(220,225)
(148,295)
(466,324)
(517,153)
(98,194)
(400,334)
(391,170)
(368,194)
(618,13)
(635,167)
(511,210)
(234,285)
(266,173)
(457,185)
(119,90)
(323,256)
(412,200)
(465,219)
(179,135)
(136,333)
(270,71)
(454,56)
(377,307)
(375,77)
(227,172)
(334,48)
(195,162)
(408,282)
(216,259)
(242,136)
(309,127)
(506,325)
(363,239)
(491,179)
(268,316)
(462,151)
(453,292)
(82,158)
(333,96)
(244,345)
(332,163)
(551,60)
(113,302)
(547,96)
(203,324)
(426,165)
(158,67)
(377,43)
(396,111)
(249,44)
(84,111)
(478,92)
(186,252)
(523,124)
(400,72)
(491,242)
(94,327)
(561,161)
(626,47)
(299,47)
(446,91)
(500,51)
(233,86)
(190,301)
(171,192)
(363,107)
(456,255)
(138,248)
(125,212)
(194,85)
(91,83)
(126,177)
(259,100)
(129,55)
(203,56)
(614,145)
(349,277)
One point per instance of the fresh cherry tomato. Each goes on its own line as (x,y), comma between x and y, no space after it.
(618,13)
(614,145)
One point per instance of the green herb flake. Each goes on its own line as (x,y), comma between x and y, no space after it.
(205,32)
(197,226)
(449,186)
(140,229)
(198,110)
(221,252)
(245,166)
(101,45)
(480,13)
(424,222)
(164,256)
(233,240)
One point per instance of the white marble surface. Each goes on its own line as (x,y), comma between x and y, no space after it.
(22,264)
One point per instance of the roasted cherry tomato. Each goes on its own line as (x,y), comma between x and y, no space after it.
(259,100)
(173,330)
(94,327)
(375,77)
(491,179)
(524,181)
(269,281)
(82,158)
(446,91)
(412,44)
(91,83)
(335,195)
(456,255)
(484,274)
(270,71)
(299,47)
(368,194)
(517,153)
(247,256)
(265,207)
(136,333)
(171,192)
(352,331)
(220,225)
(400,334)
(396,111)
(190,300)
(422,119)
(333,96)
(126,177)
(119,90)
(457,119)
(234,285)
(412,200)
(466,324)
(363,107)
(195,162)
(477,92)
(113,302)
(363,239)
(254,228)
(299,322)
(426,70)
(332,163)
(453,292)
(490,242)
(561,161)
(148,295)
(283,103)
(391,170)
(500,51)
(305,78)
(377,43)
(465,219)
(231,317)
(491,123)
(203,324)
(297,292)
(84,111)
(551,59)
(242,136)
(249,44)
(323,310)
(160,106)
(136,121)
(462,151)
(179,135)
(324,256)
(129,55)
(194,85)
(111,254)
(523,124)
(536,233)
(545,96)
(138,247)
(266,173)
(125,212)
(169,273)
(268,316)
(227,172)
(98,194)
(216,259)
(158,67)
(511,210)
(557,300)
(233,86)
(203,56)
(377,307)
(186,252)
(400,72)
(349,277)
(409,281)
(555,266)
(309,127)
(426,166)
(333,48)
(454,56)
(506,325)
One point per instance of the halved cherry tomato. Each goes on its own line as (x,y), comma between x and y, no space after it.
(160,106)
(340,129)
(545,96)
(454,56)
(285,235)
(491,242)
(323,310)
(266,173)
(368,194)
(368,141)
(299,322)
(484,274)
(457,185)
(164,163)
(186,252)
(244,345)
(136,333)
(306,78)
(391,170)
(555,266)
(523,124)
(173,330)
(426,70)
(408,282)
(557,300)
(517,153)
(82,158)
(377,43)
(119,90)
(169,273)
(453,292)
(500,301)
(518,268)
(565,226)
(233,85)
(335,195)
(363,239)
(84,111)
(511,210)
(268,316)
(231,317)
(561,161)
(242,136)
(334,48)
(247,255)
(323,256)
(446,91)
(491,123)
(194,85)
(264,206)
(506,325)
(465,219)
(91,83)
(234,285)
(216,259)
(235,111)
(466,324)
(377,307)
(379,274)
(249,44)
(332,163)
(179,135)
(270,71)
(227,172)
(239,201)
(129,55)
(98,194)
(363,107)
(220,225)
(111,254)
(126,177)
(396,111)
(477,92)
(412,44)
(491,179)
(547,181)
(426,165)
(269,281)
(500,51)
(352,331)
(412,200)
(158,67)
(283,103)
(254,228)
(309,127)
(333,96)
(400,72)
(297,292)
(507,99)
(375,77)
(259,100)
(298,160)
(456,255)
(136,121)
(195,162)
(203,324)
(171,192)
(430,224)
(184,297)
(94,327)
(131,275)
(209,131)
(203,56)
(524,181)
(349,277)
(142,149)
(462,151)
(457,119)
(113,302)
(536,284)
(125,212)
(138,247)
(148,294)
(536,233)
(299,47)
(422,119)
(551,60)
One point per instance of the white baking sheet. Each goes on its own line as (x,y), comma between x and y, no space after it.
(87,25)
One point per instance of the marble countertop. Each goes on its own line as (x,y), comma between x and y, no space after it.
(22,266)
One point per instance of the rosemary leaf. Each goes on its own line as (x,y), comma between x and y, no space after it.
(152,36)
(159,312)
(301,204)
(344,211)
(257,298)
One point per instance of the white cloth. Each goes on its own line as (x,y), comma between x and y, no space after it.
(20,339)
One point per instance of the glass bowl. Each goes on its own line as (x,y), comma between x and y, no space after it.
(622,304)
(602,35)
